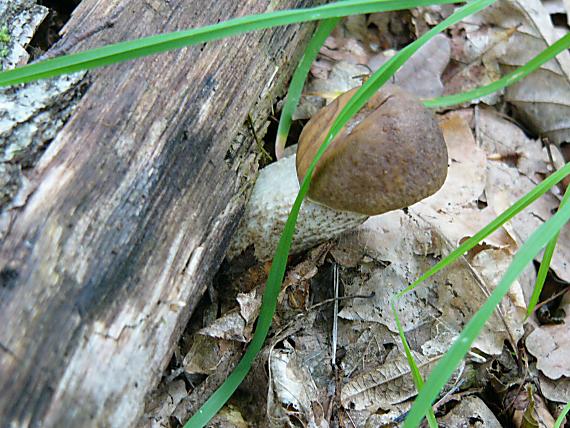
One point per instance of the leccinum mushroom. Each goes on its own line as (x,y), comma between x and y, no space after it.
(389,156)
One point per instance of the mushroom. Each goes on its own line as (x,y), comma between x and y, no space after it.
(390,155)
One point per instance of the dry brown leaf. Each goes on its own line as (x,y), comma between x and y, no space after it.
(294,388)
(229,417)
(530,410)
(206,354)
(236,324)
(468,409)
(384,386)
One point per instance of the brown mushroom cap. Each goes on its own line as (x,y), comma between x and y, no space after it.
(389,156)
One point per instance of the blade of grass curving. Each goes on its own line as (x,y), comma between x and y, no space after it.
(298,81)
(543,57)
(380,77)
(545,264)
(222,394)
(562,415)
(509,213)
(447,365)
(132,49)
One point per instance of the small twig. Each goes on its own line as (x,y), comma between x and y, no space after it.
(332,300)
(258,142)
(551,298)
(335,314)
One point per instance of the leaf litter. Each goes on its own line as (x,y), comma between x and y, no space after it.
(516,370)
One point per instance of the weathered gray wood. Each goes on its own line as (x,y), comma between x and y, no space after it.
(130,210)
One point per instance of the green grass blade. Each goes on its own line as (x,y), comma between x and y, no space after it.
(387,70)
(447,365)
(517,207)
(221,395)
(416,375)
(298,81)
(132,49)
(543,57)
(545,264)
(562,415)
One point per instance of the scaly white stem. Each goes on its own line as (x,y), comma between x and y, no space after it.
(269,206)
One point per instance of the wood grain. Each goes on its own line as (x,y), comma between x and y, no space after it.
(130,210)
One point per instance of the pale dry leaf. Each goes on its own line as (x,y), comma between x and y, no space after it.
(550,345)
(364,344)
(161,406)
(506,35)
(236,324)
(406,248)
(461,292)
(394,264)
(206,354)
(249,304)
(421,74)
(294,387)
(343,77)
(492,264)
(230,326)
(555,390)
(470,408)
(386,385)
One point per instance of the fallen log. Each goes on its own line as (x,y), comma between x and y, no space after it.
(128,212)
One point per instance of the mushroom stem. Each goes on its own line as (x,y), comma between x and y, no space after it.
(269,206)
